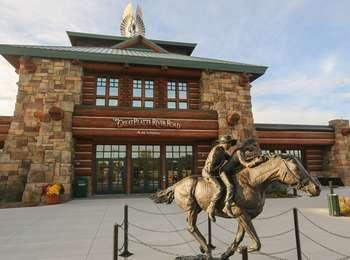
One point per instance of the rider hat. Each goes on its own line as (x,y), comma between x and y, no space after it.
(225,139)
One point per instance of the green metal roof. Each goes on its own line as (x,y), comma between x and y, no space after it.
(72,35)
(130,56)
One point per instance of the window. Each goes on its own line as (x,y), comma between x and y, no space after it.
(143,93)
(177,95)
(107,91)
(179,161)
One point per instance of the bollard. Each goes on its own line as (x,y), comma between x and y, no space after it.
(330,184)
(244,253)
(115,242)
(333,201)
(296,229)
(210,245)
(126,252)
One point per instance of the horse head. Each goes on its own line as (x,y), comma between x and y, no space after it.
(294,174)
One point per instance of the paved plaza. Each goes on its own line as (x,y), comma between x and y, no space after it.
(83,229)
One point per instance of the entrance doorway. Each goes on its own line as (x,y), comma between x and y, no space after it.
(145,168)
(110,169)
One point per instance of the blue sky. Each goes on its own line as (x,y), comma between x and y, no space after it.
(305,44)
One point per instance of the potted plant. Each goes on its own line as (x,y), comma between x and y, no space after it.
(53,192)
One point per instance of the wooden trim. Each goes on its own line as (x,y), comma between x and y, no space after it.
(295,135)
(81,122)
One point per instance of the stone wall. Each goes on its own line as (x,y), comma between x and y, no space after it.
(229,95)
(340,151)
(39,144)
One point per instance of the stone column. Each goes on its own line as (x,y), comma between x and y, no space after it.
(229,95)
(40,138)
(340,151)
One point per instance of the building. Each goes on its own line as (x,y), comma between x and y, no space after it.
(134,115)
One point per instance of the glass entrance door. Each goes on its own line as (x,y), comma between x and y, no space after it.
(110,169)
(145,168)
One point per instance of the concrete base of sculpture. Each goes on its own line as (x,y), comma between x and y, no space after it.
(197,257)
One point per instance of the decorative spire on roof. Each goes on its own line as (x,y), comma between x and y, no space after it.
(132,24)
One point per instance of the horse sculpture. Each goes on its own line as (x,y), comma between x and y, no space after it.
(192,194)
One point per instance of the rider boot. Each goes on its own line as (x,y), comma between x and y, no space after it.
(214,199)
(229,203)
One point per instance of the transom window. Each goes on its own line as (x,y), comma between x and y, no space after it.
(143,93)
(107,91)
(177,95)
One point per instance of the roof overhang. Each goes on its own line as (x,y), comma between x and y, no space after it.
(89,39)
(13,52)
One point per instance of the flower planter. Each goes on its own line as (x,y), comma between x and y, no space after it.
(53,199)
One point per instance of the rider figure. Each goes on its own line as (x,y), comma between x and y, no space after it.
(217,158)
(224,160)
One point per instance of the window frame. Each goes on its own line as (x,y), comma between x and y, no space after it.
(107,97)
(177,98)
(143,99)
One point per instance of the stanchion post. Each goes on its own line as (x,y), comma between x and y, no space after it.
(126,252)
(295,192)
(210,245)
(115,242)
(244,253)
(297,235)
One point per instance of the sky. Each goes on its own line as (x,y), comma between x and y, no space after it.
(305,44)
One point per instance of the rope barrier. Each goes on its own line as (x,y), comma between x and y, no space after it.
(323,246)
(269,255)
(274,216)
(172,224)
(171,245)
(278,234)
(322,228)
(137,241)
(156,213)
(266,236)
(161,231)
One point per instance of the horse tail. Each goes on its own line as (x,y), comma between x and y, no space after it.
(164,196)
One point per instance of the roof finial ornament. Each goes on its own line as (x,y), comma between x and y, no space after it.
(132,24)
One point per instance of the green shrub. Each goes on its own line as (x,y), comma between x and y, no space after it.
(13,192)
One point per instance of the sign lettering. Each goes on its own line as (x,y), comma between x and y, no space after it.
(125,122)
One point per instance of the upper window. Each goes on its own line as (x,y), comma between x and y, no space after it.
(107,91)
(143,93)
(177,95)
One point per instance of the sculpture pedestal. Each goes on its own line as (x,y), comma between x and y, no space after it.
(198,257)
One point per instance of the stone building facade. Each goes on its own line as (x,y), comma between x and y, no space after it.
(171,107)
(340,151)
(40,146)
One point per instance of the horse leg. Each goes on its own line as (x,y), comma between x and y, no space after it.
(193,229)
(238,239)
(247,224)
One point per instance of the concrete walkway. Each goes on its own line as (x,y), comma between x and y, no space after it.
(83,229)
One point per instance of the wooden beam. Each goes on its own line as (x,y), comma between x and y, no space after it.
(158,133)
(146,71)
(81,110)
(5,120)
(279,141)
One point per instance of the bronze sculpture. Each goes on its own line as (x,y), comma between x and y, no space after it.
(193,193)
